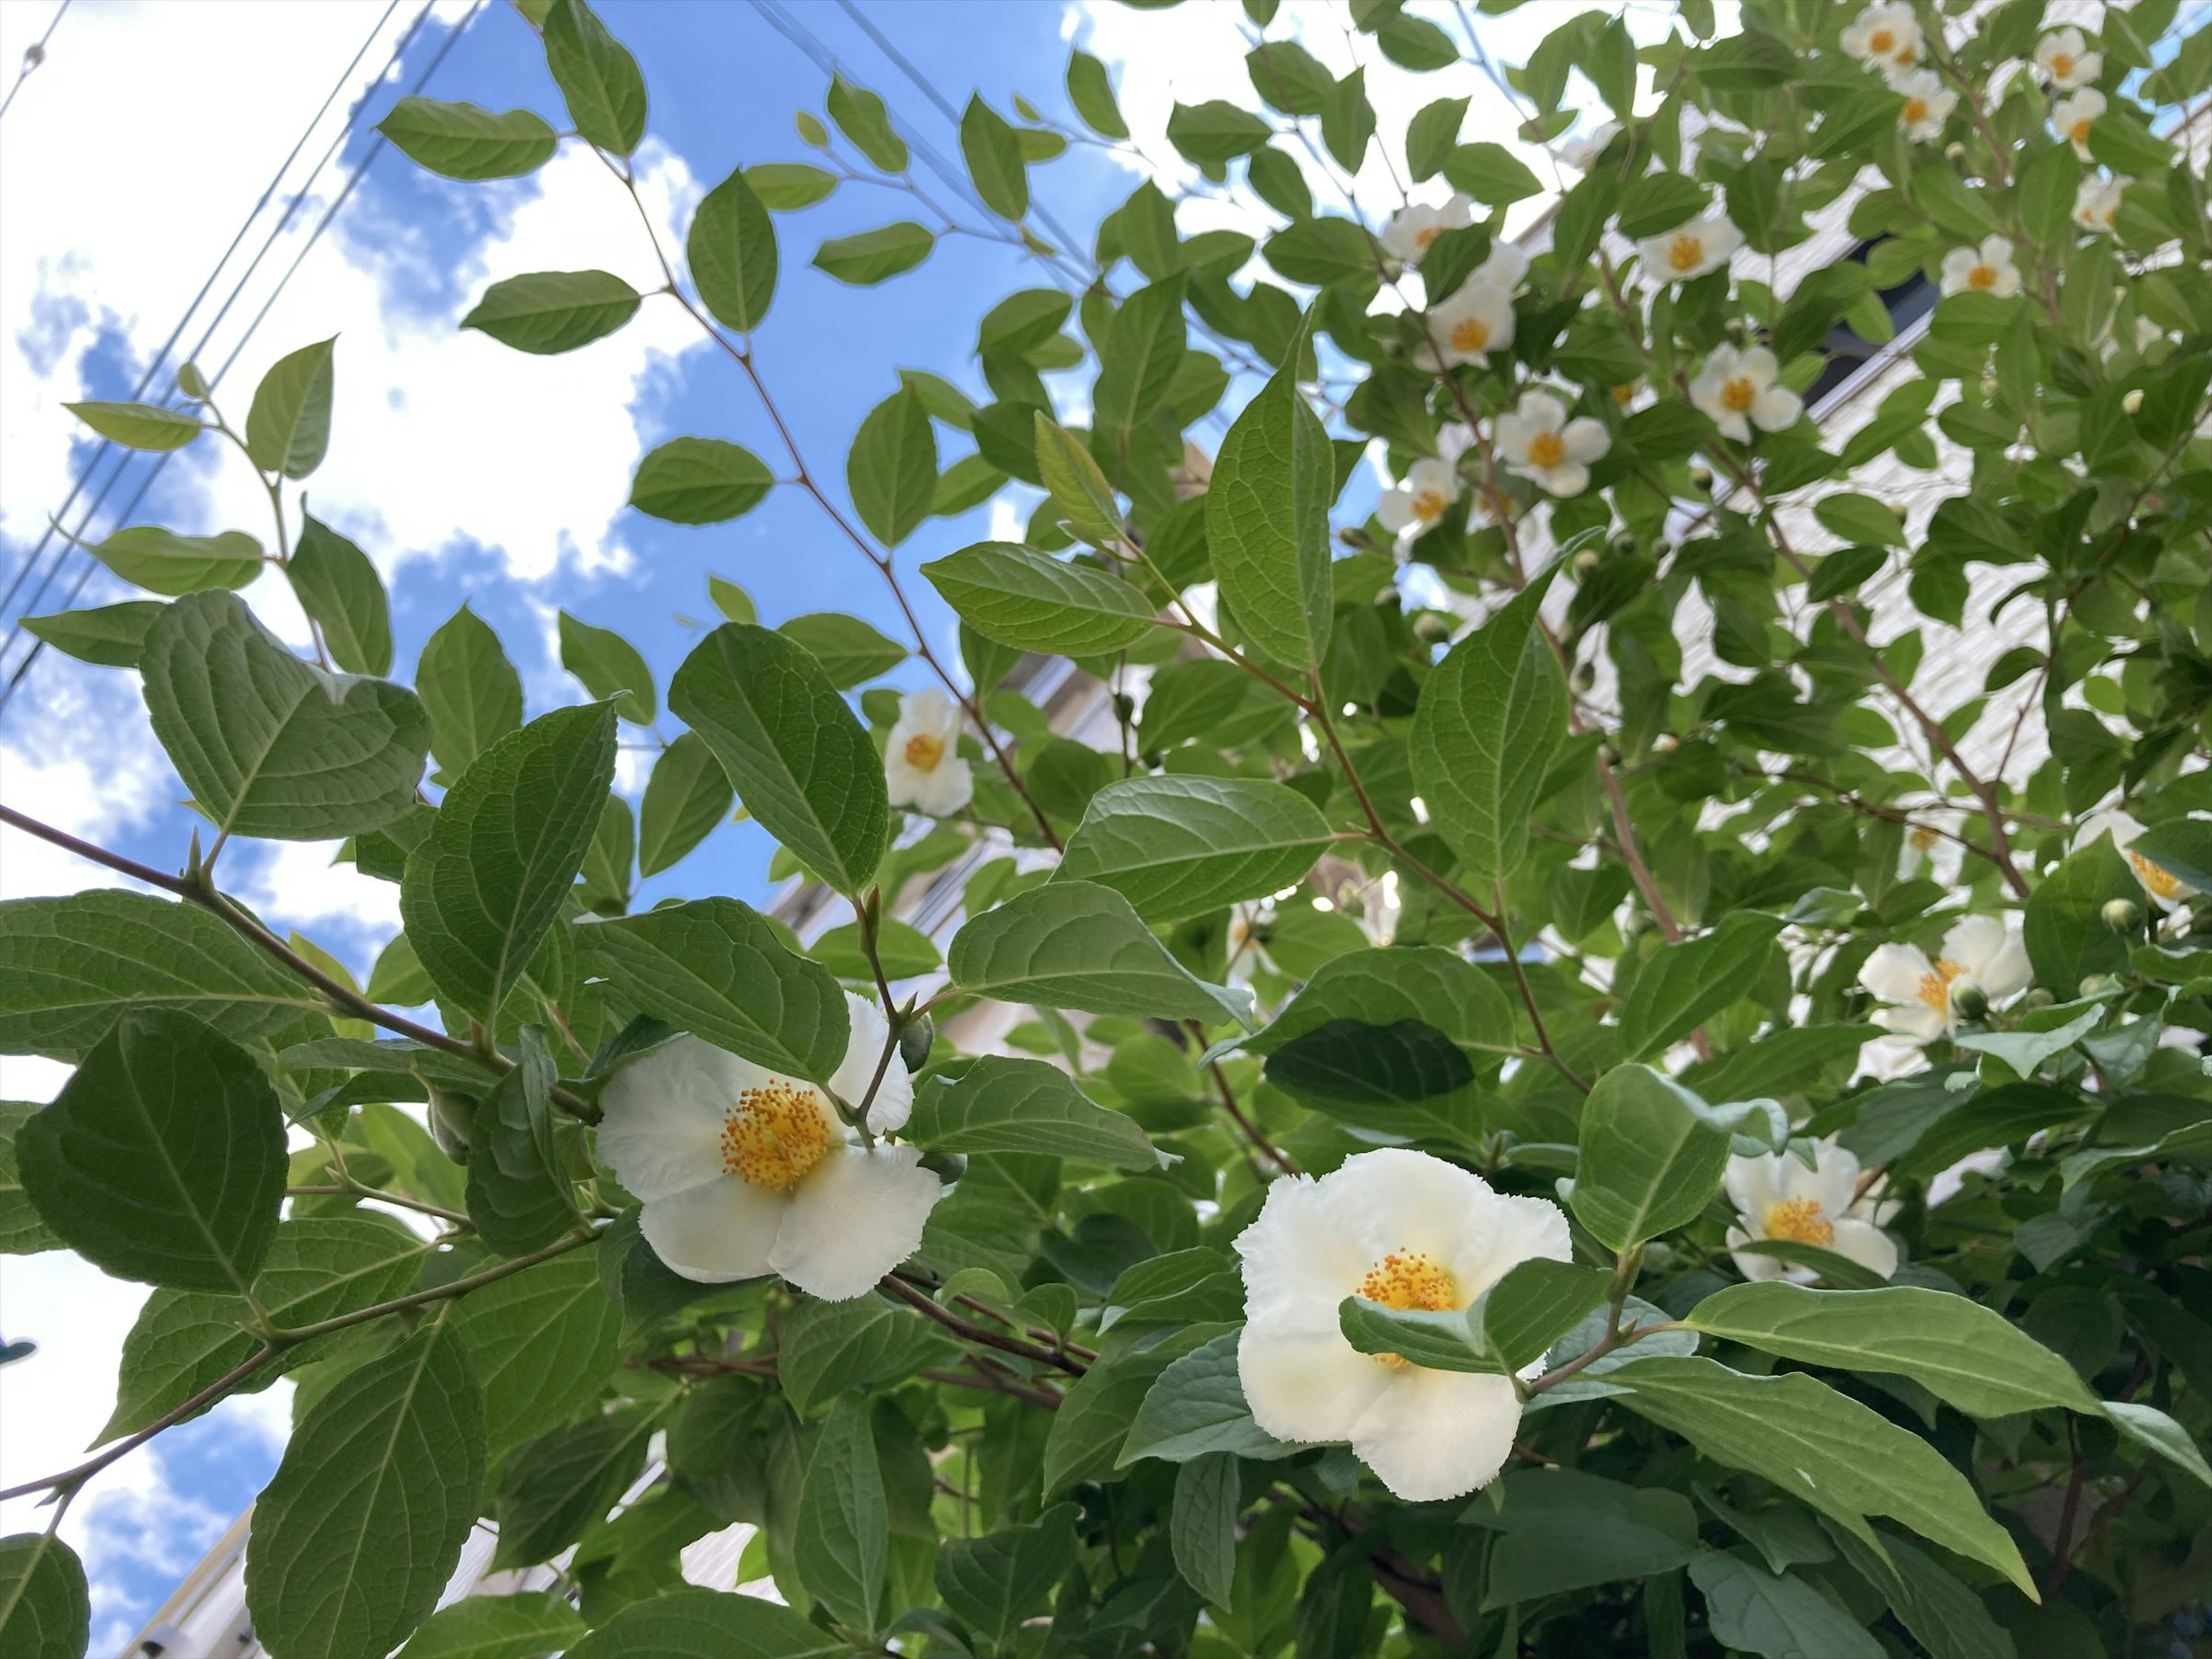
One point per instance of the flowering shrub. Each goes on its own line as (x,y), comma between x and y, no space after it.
(1582,1065)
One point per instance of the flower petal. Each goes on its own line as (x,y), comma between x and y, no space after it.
(1299,1259)
(1308,1385)
(663,1129)
(721,1231)
(1395,1200)
(1893,973)
(857,1214)
(1394,509)
(944,789)
(1754,1185)
(864,1052)
(1586,438)
(1776,410)
(1867,1244)
(1434,1435)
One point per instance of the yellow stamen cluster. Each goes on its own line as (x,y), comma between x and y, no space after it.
(1686,252)
(1880,43)
(1799,1221)
(1982,276)
(1916,109)
(1408,1279)
(1426,234)
(2061,64)
(1470,334)
(1548,449)
(923,751)
(774,1134)
(2164,883)
(1935,988)
(1738,394)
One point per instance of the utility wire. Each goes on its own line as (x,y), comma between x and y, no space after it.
(35,54)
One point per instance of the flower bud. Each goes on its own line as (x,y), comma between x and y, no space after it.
(1125,707)
(2097,984)
(1608,755)
(1701,475)
(915,1042)
(1622,545)
(1989,383)
(947,1167)
(2123,915)
(1432,628)
(2036,998)
(191,381)
(1968,1000)
(1954,150)
(2132,401)
(1585,677)
(1586,561)
(1665,743)
(450,1116)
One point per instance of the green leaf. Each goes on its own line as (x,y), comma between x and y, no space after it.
(1216,131)
(700,481)
(521,1626)
(2063,923)
(825,1348)
(733,255)
(611,667)
(687,796)
(1435,1340)
(843,1536)
(1492,717)
(317,1268)
(993,1584)
(542,1343)
(1533,1306)
(2180,846)
(1651,1157)
(1962,1353)
(287,429)
(465,140)
(1202,1525)
(993,153)
(69,965)
(1756,1610)
(506,848)
(1143,348)
(1944,1615)
(2150,1427)
(787,186)
(363,1524)
(1267,522)
(109,635)
(162,1159)
(1033,602)
(716,968)
(1421,982)
(1860,519)
(904,952)
(731,600)
(860,116)
(1001,1104)
(1347,120)
(870,256)
(473,694)
(891,469)
(1687,984)
(800,761)
(1198,1407)
(519,1195)
(701,1624)
(22,1232)
(1177,846)
(553,1487)
(1490,173)
(1093,1418)
(1843,1458)
(1288,77)
(162,561)
(596,76)
(138,426)
(1078,488)
(45,1609)
(550,312)
(339,589)
(1092,92)
(1075,945)
(1430,135)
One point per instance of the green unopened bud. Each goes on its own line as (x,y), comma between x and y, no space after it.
(1954,150)
(1125,707)
(915,1042)
(1622,545)
(947,1167)
(1968,1000)
(1989,383)
(1608,755)
(2123,915)
(191,381)
(2038,998)
(1701,477)
(1432,628)
(2098,984)
(1586,561)
(1585,677)
(451,1115)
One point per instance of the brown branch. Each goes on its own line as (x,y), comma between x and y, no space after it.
(922,1303)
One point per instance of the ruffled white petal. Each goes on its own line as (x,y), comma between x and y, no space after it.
(856,1216)
(1401,1200)
(1300,1259)
(1914,1019)
(1777,408)
(864,1051)
(1434,1435)
(1894,973)
(1586,439)
(662,1130)
(1752,1184)
(1867,1244)
(723,1230)
(1394,511)
(1308,1385)
(945,788)
(1755,1267)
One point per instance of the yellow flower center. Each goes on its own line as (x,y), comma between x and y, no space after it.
(1916,110)
(1470,334)
(923,751)
(1624,392)
(1982,276)
(1686,252)
(1408,1279)
(1935,988)
(1738,394)
(1799,1221)
(1924,839)
(1881,41)
(2164,883)
(1426,234)
(1428,504)
(2062,64)
(1548,449)
(1907,57)
(774,1134)
(2079,132)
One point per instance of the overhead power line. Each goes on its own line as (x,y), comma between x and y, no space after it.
(35,54)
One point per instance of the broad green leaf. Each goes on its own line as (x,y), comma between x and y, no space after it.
(993,153)
(162,561)
(1078,488)
(904,952)
(138,426)
(732,254)
(606,885)
(162,1157)
(550,312)
(1430,135)
(1492,717)
(1177,846)
(891,469)
(471,690)
(1843,1458)
(45,1608)
(1651,1157)
(596,76)
(1435,987)
(2180,846)
(1001,1104)
(787,186)
(870,256)
(993,1584)
(1192,1284)
(1945,1616)
(843,1534)
(287,429)
(1760,1612)
(1267,523)
(714,968)
(2149,1427)
(685,798)
(1687,984)
(1962,1351)
(731,600)
(339,587)
(825,1348)
(860,116)
(1094,1419)
(850,650)
(1033,602)
(2063,924)
(1202,1525)
(542,1343)
(700,481)
(22,1232)
(518,1194)
(317,1268)
(552,1488)
(68,966)
(1434,1339)
(1531,1307)
(108,635)
(480,892)
(465,140)
(1075,945)
(364,1521)
(1198,1407)
(270,745)
(519,1625)
(1092,93)
(968,483)
(1216,131)
(1143,348)
(610,667)
(1562,1530)
(802,764)
(702,1624)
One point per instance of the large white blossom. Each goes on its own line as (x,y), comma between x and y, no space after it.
(1884,36)
(1540,444)
(1703,244)
(1988,268)
(1412,228)
(1431,485)
(1474,321)
(1928,104)
(1409,1231)
(1776,1197)
(2165,889)
(2065,56)
(744,1172)
(2097,203)
(1737,389)
(922,766)
(1924,995)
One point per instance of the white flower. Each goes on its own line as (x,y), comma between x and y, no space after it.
(1925,848)
(1884,37)
(1737,389)
(1978,950)
(743,1172)
(2148,334)
(1776,1197)
(1413,228)
(1407,1231)
(1579,153)
(1430,486)
(921,761)
(1986,269)
(2065,57)
(2072,117)
(1705,243)
(1466,327)
(1504,268)
(2166,889)
(1928,104)
(1541,445)
(2097,203)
